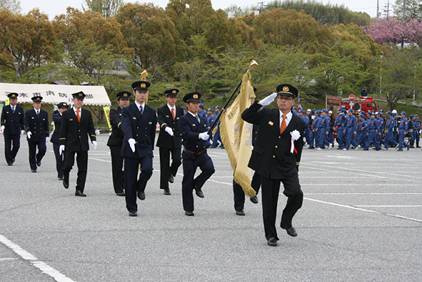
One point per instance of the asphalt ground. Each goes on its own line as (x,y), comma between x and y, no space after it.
(361,221)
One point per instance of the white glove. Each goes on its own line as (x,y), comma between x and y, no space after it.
(169,130)
(204,136)
(94,143)
(132,143)
(28,134)
(2,129)
(268,100)
(61,149)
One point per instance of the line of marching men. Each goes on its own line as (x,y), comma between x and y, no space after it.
(275,158)
(352,129)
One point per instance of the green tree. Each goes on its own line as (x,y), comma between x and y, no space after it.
(107,8)
(11,5)
(408,9)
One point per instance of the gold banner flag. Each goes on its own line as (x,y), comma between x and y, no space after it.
(106,110)
(236,135)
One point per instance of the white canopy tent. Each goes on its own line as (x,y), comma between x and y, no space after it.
(54,94)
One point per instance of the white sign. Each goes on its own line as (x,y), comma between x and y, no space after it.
(54,94)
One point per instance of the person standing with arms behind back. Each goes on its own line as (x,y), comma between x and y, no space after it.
(57,119)
(77,127)
(170,139)
(138,125)
(36,126)
(115,142)
(12,125)
(276,157)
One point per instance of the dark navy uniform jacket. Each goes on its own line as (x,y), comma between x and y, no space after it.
(166,120)
(13,122)
(37,124)
(75,135)
(271,156)
(191,128)
(116,137)
(57,119)
(140,127)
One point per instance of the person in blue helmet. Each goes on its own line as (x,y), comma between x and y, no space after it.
(359,121)
(309,134)
(350,129)
(339,124)
(390,125)
(364,132)
(417,130)
(379,126)
(319,128)
(327,123)
(403,126)
(411,129)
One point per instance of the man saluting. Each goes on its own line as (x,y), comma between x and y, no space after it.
(138,125)
(76,127)
(170,139)
(276,156)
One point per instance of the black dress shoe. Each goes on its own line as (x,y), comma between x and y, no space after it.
(272,242)
(39,163)
(254,199)
(121,194)
(189,213)
(141,195)
(133,213)
(171,178)
(167,192)
(66,182)
(199,193)
(9,163)
(290,230)
(79,194)
(33,170)
(240,213)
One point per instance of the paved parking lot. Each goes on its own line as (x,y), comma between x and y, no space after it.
(361,221)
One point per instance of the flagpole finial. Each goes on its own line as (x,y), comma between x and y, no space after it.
(144,75)
(253,64)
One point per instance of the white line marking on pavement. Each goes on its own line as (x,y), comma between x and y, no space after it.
(364,210)
(45,268)
(363,193)
(7,259)
(389,206)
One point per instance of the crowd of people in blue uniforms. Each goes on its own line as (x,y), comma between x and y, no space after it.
(351,129)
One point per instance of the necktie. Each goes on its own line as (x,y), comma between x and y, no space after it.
(78,115)
(141,109)
(283,124)
(198,119)
(173,113)
(13,110)
(38,111)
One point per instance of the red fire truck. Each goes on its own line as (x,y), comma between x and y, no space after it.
(363,103)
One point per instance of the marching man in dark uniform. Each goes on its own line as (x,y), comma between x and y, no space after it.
(138,125)
(276,156)
(36,127)
(77,126)
(12,124)
(169,139)
(115,142)
(57,119)
(195,142)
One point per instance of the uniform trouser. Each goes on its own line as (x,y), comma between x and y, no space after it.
(189,183)
(239,195)
(270,192)
(340,137)
(133,183)
(167,169)
(35,157)
(349,138)
(401,139)
(59,160)
(377,141)
(81,162)
(389,140)
(320,138)
(365,140)
(11,146)
(371,138)
(117,168)
(417,137)
(310,138)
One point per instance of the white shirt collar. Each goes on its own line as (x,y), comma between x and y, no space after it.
(37,110)
(139,105)
(171,107)
(195,116)
(288,117)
